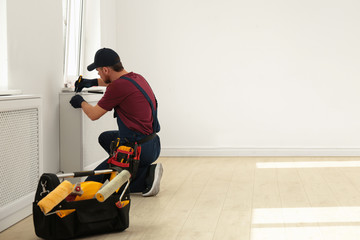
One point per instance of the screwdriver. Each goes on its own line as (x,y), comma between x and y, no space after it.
(79,80)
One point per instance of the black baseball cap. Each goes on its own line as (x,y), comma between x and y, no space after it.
(104,57)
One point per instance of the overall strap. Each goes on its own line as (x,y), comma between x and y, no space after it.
(156,125)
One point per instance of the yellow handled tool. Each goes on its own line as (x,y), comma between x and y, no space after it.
(78,81)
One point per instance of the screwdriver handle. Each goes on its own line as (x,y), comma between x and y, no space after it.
(78,80)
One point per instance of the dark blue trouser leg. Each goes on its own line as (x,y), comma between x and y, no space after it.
(150,151)
(106,138)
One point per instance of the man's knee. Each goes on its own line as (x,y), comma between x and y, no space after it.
(105,139)
(102,137)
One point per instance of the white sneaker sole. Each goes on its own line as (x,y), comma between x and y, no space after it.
(155,189)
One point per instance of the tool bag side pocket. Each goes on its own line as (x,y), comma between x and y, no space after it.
(48,226)
(126,157)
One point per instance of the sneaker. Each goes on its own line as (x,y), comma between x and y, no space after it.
(153,180)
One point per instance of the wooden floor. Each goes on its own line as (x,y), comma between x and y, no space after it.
(250,198)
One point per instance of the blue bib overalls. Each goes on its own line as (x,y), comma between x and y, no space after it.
(150,150)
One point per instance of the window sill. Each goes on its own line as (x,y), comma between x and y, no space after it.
(10,92)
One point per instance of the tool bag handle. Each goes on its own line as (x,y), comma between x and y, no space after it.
(84,173)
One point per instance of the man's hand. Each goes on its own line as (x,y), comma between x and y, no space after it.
(76,101)
(85,83)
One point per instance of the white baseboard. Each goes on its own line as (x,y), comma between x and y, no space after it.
(225,152)
(16,211)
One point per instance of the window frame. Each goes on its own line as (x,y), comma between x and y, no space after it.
(73,14)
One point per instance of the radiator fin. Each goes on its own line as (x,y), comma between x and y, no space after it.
(19,153)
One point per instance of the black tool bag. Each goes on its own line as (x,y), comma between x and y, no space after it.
(89,218)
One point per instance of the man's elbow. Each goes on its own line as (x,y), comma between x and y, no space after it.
(94,113)
(94,117)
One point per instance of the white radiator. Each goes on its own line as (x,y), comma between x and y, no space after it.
(20,156)
(79,147)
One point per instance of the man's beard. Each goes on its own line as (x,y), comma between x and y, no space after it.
(107,80)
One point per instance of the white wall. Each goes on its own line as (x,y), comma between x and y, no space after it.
(91,35)
(3,46)
(35,57)
(108,13)
(35,50)
(238,75)
(248,76)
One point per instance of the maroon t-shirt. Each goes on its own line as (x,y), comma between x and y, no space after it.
(129,103)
